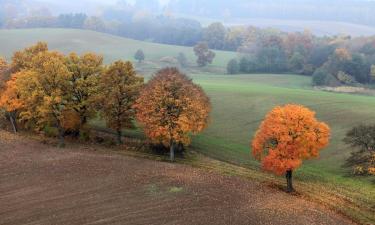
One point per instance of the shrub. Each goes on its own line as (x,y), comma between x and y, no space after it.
(233,67)
(321,77)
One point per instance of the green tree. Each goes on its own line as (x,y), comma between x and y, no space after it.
(139,55)
(233,67)
(204,54)
(215,35)
(373,72)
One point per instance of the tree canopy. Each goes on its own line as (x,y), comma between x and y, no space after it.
(288,135)
(171,108)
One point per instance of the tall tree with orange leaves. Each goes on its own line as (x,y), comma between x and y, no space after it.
(10,100)
(171,107)
(288,135)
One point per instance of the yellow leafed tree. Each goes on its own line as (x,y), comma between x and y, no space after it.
(119,88)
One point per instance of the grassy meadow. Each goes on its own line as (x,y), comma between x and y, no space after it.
(239,104)
(110,46)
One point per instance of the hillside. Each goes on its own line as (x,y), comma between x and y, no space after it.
(111,47)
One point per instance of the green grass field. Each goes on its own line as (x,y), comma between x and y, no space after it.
(239,104)
(111,47)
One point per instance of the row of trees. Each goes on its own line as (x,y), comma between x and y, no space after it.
(43,89)
(331,60)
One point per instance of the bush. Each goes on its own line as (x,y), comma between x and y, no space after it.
(233,67)
(322,77)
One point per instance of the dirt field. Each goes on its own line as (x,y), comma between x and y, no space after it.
(40,184)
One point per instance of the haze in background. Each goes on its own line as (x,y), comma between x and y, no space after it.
(322,17)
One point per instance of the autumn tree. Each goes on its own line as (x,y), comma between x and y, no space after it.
(139,55)
(171,107)
(288,135)
(4,67)
(119,88)
(10,100)
(23,59)
(204,54)
(47,92)
(85,73)
(362,139)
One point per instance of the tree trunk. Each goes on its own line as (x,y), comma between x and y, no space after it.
(61,137)
(289,182)
(13,122)
(171,153)
(119,141)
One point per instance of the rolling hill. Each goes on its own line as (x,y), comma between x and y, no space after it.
(111,47)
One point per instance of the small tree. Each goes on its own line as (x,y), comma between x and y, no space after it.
(119,88)
(362,160)
(204,54)
(171,107)
(372,73)
(233,67)
(288,135)
(139,55)
(182,60)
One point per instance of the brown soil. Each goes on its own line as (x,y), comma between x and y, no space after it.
(40,184)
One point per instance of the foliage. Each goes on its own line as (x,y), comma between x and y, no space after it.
(139,55)
(372,72)
(23,59)
(345,78)
(214,35)
(171,107)
(204,54)
(362,138)
(233,67)
(85,73)
(4,67)
(118,89)
(322,77)
(288,135)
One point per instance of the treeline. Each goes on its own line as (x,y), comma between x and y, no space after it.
(330,60)
(159,29)
(56,94)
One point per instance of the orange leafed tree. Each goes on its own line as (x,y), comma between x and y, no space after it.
(288,135)
(171,107)
(10,99)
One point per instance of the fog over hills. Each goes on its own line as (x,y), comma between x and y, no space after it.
(331,17)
